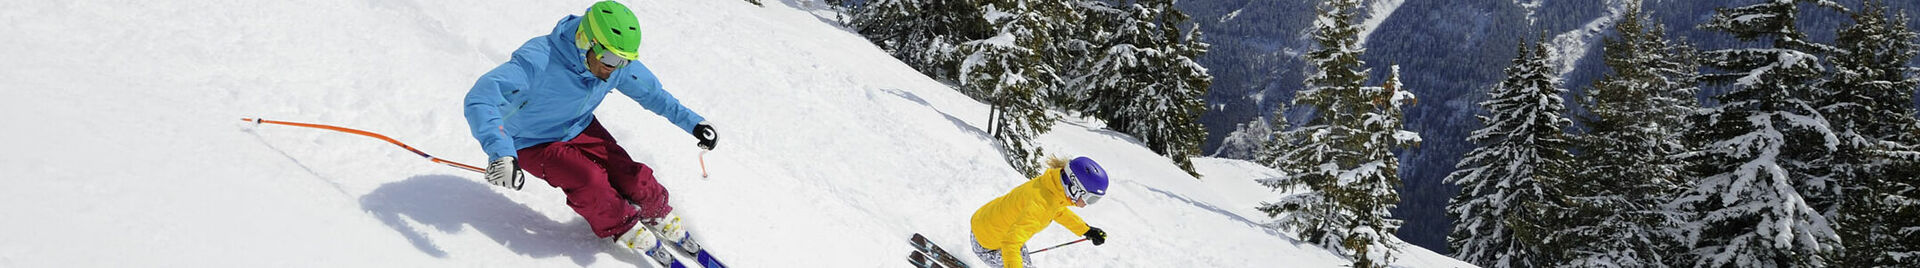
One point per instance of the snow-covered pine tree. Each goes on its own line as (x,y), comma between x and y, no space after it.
(1374,186)
(1273,150)
(1755,198)
(1145,81)
(1177,111)
(1075,35)
(925,34)
(1342,156)
(1115,28)
(1627,169)
(1510,202)
(1008,72)
(1869,102)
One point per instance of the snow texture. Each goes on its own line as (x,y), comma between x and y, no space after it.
(124,147)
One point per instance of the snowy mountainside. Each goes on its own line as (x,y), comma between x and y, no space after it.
(1377,12)
(1568,48)
(125,146)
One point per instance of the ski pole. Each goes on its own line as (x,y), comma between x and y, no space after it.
(703,164)
(1054,247)
(257,121)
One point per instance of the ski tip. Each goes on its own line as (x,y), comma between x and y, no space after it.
(919,259)
(917,256)
(707,259)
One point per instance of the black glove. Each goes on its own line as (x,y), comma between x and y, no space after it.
(505,172)
(1095,234)
(704,133)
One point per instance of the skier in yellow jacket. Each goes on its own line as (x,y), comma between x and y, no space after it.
(1002,226)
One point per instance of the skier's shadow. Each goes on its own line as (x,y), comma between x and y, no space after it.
(450,204)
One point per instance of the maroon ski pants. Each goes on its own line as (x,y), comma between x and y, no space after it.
(602,183)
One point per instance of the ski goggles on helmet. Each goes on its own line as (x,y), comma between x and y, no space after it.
(1077,192)
(606,58)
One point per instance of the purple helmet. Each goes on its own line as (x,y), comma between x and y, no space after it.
(1086,182)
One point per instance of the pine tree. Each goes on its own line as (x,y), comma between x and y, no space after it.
(1756,198)
(1076,35)
(1009,72)
(1869,103)
(1628,169)
(1511,197)
(1024,57)
(925,34)
(1342,157)
(1273,151)
(1146,82)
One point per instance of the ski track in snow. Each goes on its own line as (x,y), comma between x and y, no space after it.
(125,148)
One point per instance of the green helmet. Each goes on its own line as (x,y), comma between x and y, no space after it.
(611,25)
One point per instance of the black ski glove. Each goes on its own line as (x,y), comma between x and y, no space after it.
(1095,234)
(704,133)
(505,172)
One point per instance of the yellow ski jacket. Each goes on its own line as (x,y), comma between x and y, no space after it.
(1007,222)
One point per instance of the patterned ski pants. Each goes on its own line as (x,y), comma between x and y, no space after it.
(992,257)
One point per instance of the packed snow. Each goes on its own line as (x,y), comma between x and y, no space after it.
(126,146)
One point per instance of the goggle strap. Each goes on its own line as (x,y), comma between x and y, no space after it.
(1071,179)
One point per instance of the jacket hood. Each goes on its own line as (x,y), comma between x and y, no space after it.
(561,42)
(1053,189)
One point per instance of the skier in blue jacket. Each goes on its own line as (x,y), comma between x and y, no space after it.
(536,112)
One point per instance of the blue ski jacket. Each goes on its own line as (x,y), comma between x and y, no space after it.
(545,94)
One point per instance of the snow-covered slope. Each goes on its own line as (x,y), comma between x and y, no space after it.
(124,145)
(1377,12)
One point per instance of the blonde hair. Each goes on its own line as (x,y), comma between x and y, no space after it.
(1054,161)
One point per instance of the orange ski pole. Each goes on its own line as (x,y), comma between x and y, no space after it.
(369,134)
(703,164)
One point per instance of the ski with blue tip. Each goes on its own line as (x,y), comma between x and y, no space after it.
(663,257)
(700,255)
(707,260)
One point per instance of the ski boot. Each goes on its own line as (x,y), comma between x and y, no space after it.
(645,242)
(672,232)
